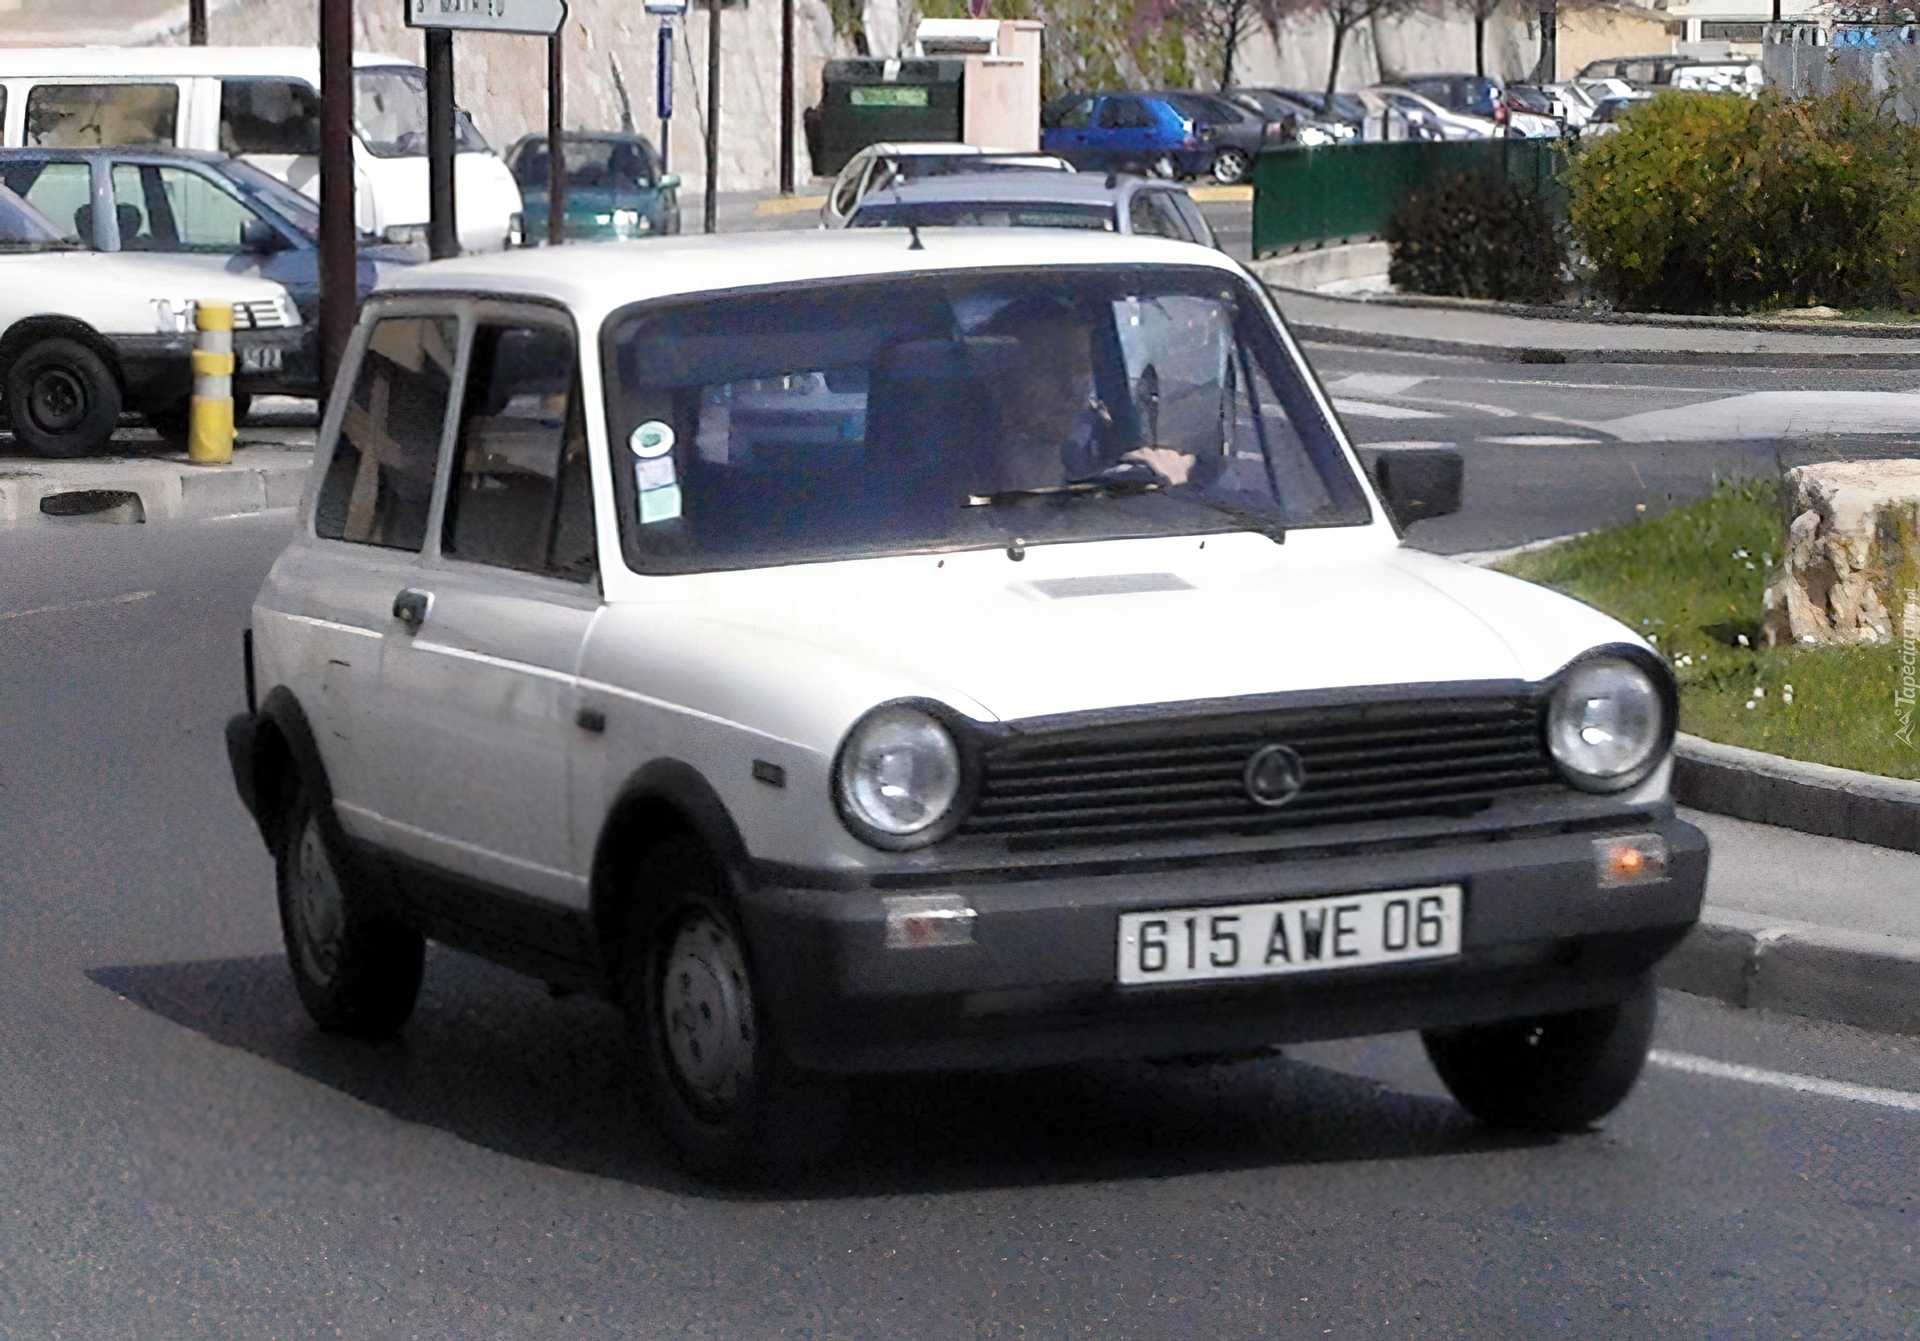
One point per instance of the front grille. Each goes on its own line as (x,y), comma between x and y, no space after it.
(1166,779)
(263,315)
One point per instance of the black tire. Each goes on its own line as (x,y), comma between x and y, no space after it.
(1553,1073)
(725,1096)
(242,406)
(1232,166)
(357,968)
(62,399)
(171,424)
(1165,165)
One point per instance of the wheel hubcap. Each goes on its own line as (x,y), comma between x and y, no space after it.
(707,1007)
(57,400)
(319,909)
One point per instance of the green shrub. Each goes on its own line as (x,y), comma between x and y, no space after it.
(1717,203)
(1481,236)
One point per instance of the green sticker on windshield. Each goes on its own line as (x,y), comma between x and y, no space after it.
(658,505)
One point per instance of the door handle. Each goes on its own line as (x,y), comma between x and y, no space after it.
(410,607)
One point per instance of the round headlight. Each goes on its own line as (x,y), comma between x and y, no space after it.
(898,775)
(1606,723)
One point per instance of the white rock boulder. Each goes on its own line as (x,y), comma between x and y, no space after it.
(1852,553)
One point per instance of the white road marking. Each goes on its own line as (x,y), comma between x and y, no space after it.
(1366,409)
(1479,407)
(1542,440)
(1407,446)
(1905,1100)
(268,513)
(127,599)
(1375,384)
(1772,414)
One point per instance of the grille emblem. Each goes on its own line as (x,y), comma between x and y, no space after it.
(1274,775)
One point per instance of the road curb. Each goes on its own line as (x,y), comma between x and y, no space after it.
(1315,333)
(1847,977)
(131,490)
(1810,798)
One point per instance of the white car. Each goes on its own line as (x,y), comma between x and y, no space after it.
(856,654)
(880,165)
(1436,122)
(85,335)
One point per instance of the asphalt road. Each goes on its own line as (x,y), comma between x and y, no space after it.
(184,1156)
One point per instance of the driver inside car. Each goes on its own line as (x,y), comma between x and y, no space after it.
(1056,429)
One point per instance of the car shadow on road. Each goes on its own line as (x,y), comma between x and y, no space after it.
(493,1059)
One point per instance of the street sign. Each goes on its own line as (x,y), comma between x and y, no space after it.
(666,6)
(541,18)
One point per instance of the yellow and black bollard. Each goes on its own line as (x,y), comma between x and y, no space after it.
(210,422)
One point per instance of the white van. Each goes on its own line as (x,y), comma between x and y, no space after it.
(261,104)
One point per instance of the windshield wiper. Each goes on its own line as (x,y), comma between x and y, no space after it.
(1250,519)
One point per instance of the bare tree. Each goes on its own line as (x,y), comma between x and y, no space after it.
(1343,16)
(1482,10)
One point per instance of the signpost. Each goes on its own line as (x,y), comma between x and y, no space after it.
(339,264)
(668,10)
(707,214)
(441,19)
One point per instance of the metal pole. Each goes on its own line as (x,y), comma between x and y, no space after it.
(786,97)
(443,238)
(339,262)
(1549,40)
(663,89)
(197,22)
(556,146)
(713,116)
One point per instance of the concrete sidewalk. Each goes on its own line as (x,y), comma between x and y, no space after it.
(1814,926)
(1505,338)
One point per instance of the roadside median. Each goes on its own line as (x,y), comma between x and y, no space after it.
(164,487)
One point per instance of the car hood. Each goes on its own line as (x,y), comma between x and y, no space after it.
(996,640)
(147,274)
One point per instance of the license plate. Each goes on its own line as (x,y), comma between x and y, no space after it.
(260,359)
(1257,940)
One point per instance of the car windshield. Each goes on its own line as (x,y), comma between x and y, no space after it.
(984,214)
(962,411)
(390,113)
(264,188)
(612,165)
(24,227)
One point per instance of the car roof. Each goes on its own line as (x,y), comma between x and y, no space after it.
(1051,188)
(594,279)
(79,63)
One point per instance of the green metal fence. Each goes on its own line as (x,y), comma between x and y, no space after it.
(1344,192)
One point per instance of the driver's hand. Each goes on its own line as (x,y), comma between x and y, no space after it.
(1172,466)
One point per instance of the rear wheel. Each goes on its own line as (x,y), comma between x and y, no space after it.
(62,399)
(356,967)
(1550,1073)
(1231,166)
(724,1095)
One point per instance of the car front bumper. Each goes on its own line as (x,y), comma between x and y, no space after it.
(157,370)
(1037,984)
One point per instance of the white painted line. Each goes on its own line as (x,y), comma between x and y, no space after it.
(1366,409)
(1375,384)
(1543,440)
(257,512)
(1407,446)
(128,599)
(1905,1100)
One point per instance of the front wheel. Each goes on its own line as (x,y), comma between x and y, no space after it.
(63,399)
(1231,166)
(1553,1073)
(724,1094)
(1165,165)
(357,968)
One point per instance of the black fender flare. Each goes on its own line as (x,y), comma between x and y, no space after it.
(660,797)
(283,737)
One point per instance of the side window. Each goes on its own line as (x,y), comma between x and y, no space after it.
(61,191)
(521,496)
(380,481)
(1079,116)
(69,116)
(1152,215)
(846,193)
(269,116)
(1197,226)
(1115,113)
(172,209)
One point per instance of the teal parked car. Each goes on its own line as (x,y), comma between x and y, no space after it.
(615,189)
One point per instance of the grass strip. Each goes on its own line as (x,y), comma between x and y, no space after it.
(1691,583)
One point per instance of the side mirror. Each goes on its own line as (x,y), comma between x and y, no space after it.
(1416,483)
(670,182)
(260,237)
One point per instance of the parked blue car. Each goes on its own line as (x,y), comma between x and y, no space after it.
(1126,132)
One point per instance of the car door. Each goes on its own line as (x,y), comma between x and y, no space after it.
(1122,132)
(381,445)
(1071,136)
(478,679)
